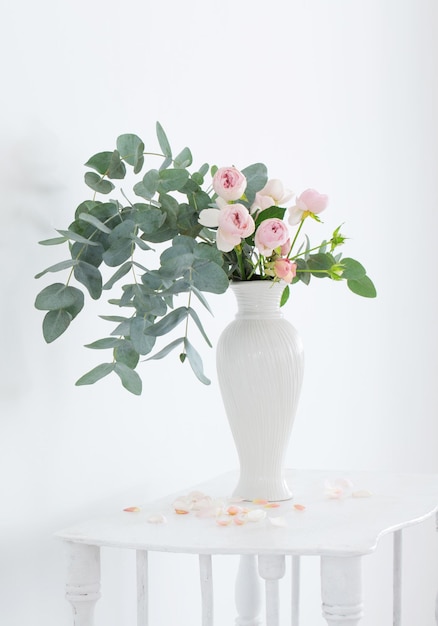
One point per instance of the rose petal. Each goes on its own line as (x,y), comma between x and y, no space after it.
(299,507)
(157,518)
(182,505)
(256,515)
(209,218)
(132,509)
(362,493)
(234,510)
(260,501)
(272,505)
(212,511)
(224,520)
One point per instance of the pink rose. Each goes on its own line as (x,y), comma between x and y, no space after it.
(285,269)
(233,223)
(285,248)
(310,201)
(272,194)
(272,233)
(229,183)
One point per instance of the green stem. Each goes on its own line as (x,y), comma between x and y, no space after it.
(186,331)
(295,238)
(297,256)
(240,261)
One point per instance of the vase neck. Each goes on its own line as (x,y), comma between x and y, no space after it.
(258,299)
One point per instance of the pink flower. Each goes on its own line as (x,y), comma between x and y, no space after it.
(272,194)
(285,248)
(233,223)
(229,183)
(310,201)
(285,269)
(272,233)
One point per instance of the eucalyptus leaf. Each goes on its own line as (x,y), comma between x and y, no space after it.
(285,296)
(201,298)
(167,350)
(104,344)
(256,178)
(163,141)
(55,323)
(195,362)
(63,265)
(320,263)
(149,219)
(208,276)
(150,184)
(198,323)
(172,180)
(272,212)
(141,342)
(122,271)
(116,167)
(91,219)
(100,162)
(58,296)
(352,269)
(363,286)
(130,379)
(131,149)
(54,241)
(183,159)
(97,373)
(124,352)
(90,277)
(70,234)
(97,183)
(168,322)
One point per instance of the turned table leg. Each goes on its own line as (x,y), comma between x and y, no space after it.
(247,592)
(272,568)
(83,581)
(341,583)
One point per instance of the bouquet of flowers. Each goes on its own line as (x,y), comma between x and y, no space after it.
(239,225)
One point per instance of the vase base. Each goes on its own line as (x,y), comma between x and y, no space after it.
(260,490)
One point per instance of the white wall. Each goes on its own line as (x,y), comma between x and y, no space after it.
(338,95)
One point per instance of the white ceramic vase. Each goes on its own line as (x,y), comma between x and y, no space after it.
(260,364)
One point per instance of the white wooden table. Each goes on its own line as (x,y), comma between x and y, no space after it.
(339,530)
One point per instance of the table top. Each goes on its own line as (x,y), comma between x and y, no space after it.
(332,513)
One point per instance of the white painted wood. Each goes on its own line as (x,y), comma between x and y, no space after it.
(271,569)
(206,576)
(142,588)
(397,578)
(341,587)
(295,595)
(340,531)
(248,595)
(436,601)
(83,581)
(322,529)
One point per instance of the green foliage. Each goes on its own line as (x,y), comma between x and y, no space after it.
(112,239)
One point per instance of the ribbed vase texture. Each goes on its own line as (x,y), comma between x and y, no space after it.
(260,364)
